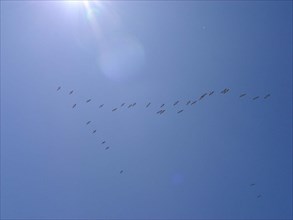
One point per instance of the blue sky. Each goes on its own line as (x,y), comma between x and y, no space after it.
(198,164)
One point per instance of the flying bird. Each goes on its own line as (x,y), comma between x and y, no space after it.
(87,101)
(107,148)
(101,106)
(88,122)
(122,104)
(113,110)
(267,96)
(121,171)
(70,92)
(193,102)
(203,96)
(255,98)
(259,196)
(212,92)
(94,131)
(252,184)
(148,105)
(244,94)
(58,88)
(175,103)
(162,105)
(134,104)
(158,112)
(74,106)
(103,142)
(187,103)
(162,112)
(225,91)
(180,111)
(129,106)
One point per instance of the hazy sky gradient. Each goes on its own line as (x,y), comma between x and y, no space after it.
(198,164)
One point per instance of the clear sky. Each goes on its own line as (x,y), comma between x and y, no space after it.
(198,164)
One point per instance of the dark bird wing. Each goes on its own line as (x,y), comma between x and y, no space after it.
(107,148)
(88,122)
(225,91)
(180,111)
(122,104)
(212,92)
(148,105)
(203,96)
(94,131)
(176,103)
(193,102)
(244,94)
(88,100)
(256,97)
(74,106)
(267,96)
(70,92)
(162,105)
(113,110)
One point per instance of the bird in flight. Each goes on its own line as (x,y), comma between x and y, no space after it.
(88,122)
(202,96)
(74,106)
(122,104)
(113,110)
(244,94)
(58,88)
(267,96)
(101,106)
(107,148)
(148,105)
(193,102)
(103,142)
(187,103)
(180,111)
(252,184)
(212,92)
(94,131)
(158,112)
(87,101)
(161,112)
(255,98)
(70,92)
(175,103)
(225,91)
(121,171)
(258,196)
(162,105)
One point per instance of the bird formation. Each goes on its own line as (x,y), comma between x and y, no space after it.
(189,102)
(162,108)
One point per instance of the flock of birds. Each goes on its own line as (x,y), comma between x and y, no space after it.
(162,110)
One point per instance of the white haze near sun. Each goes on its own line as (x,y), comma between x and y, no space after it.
(118,53)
